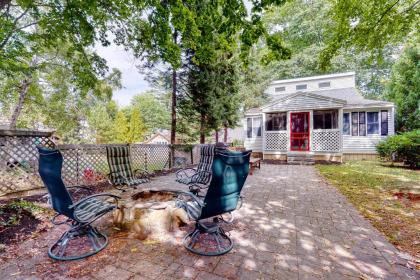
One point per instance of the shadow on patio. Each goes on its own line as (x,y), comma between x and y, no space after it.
(292,226)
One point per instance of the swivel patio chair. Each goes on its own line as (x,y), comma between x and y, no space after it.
(120,167)
(229,172)
(82,239)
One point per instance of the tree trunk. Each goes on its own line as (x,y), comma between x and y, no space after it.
(202,129)
(23,91)
(217,136)
(225,136)
(173,105)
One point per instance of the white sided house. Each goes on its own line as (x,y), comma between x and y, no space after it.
(320,118)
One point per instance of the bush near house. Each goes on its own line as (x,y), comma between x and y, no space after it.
(404,147)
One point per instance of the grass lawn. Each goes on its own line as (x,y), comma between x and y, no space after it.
(389,196)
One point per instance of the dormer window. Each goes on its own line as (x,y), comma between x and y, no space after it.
(301,87)
(279,89)
(324,85)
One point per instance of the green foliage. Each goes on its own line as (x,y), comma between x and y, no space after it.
(121,128)
(404,88)
(305,29)
(101,123)
(136,127)
(404,147)
(17,206)
(154,111)
(369,26)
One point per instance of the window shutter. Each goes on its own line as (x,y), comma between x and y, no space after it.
(384,123)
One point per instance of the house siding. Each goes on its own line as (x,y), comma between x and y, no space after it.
(367,144)
(254,144)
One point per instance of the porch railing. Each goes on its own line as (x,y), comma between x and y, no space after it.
(276,141)
(326,140)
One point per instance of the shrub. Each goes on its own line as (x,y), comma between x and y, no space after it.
(404,147)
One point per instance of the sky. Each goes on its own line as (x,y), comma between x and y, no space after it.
(132,81)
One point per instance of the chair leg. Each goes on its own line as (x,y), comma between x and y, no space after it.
(208,240)
(68,247)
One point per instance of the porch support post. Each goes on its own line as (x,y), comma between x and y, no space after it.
(311,128)
(340,127)
(263,134)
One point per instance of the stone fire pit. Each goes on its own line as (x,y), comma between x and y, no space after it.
(150,214)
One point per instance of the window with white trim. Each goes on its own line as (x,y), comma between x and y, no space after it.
(346,124)
(324,84)
(254,127)
(300,87)
(372,122)
(279,89)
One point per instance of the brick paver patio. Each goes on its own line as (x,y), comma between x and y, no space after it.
(292,225)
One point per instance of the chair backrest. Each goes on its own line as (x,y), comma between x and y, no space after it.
(230,170)
(206,160)
(119,163)
(49,168)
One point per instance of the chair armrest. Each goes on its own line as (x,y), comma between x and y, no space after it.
(194,178)
(83,200)
(193,196)
(183,173)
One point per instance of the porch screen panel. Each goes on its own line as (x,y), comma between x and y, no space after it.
(384,123)
(362,124)
(325,119)
(276,121)
(346,123)
(355,123)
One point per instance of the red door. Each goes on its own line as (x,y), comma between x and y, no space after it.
(299,131)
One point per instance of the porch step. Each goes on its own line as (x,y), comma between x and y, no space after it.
(300,159)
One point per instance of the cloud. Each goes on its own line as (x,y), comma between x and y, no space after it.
(132,81)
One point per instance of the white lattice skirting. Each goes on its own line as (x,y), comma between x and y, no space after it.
(326,141)
(276,141)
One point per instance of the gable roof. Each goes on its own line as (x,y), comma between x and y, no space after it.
(342,97)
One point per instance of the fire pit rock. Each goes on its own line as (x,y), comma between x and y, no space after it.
(150,214)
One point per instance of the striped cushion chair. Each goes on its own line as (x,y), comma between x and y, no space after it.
(120,167)
(198,178)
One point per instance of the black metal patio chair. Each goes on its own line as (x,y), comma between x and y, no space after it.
(229,172)
(120,167)
(82,239)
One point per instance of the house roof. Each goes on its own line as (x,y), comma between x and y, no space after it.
(156,135)
(349,97)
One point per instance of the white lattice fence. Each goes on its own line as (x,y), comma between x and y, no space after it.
(19,159)
(82,165)
(326,141)
(276,141)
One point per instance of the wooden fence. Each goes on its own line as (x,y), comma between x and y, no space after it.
(84,164)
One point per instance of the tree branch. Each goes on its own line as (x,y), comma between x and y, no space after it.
(14,30)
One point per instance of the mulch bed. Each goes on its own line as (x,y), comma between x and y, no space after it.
(16,224)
